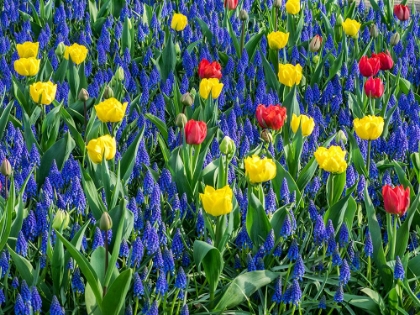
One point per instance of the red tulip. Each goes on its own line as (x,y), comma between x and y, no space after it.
(369,67)
(386,60)
(231,4)
(374,87)
(272,117)
(402,12)
(396,200)
(207,69)
(195,131)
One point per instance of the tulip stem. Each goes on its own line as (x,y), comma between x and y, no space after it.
(6,193)
(242,38)
(106,259)
(368,157)
(85,115)
(393,221)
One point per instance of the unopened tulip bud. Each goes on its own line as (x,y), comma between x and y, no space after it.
(277,3)
(177,49)
(266,136)
(105,223)
(119,74)
(181,120)
(341,137)
(243,15)
(61,219)
(315,43)
(59,51)
(193,93)
(187,99)
(6,168)
(373,30)
(395,39)
(83,95)
(315,59)
(339,20)
(227,146)
(108,93)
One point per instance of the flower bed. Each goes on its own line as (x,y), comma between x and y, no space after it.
(203,157)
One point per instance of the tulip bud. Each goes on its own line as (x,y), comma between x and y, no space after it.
(108,93)
(59,51)
(243,15)
(339,20)
(6,168)
(193,92)
(61,219)
(181,120)
(277,3)
(119,74)
(177,49)
(187,99)
(266,136)
(315,59)
(373,30)
(341,137)
(83,95)
(105,223)
(395,39)
(315,44)
(227,146)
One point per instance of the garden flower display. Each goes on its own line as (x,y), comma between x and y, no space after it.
(158,157)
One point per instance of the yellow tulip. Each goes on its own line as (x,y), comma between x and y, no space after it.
(77,53)
(210,85)
(289,74)
(27,67)
(306,124)
(27,49)
(100,147)
(43,92)
(111,110)
(351,27)
(179,22)
(369,127)
(332,159)
(277,40)
(259,170)
(293,6)
(217,202)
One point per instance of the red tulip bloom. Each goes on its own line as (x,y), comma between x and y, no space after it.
(272,117)
(396,200)
(402,12)
(231,4)
(374,87)
(386,60)
(369,67)
(208,70)
(195,131)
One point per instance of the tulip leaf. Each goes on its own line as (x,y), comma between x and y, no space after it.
(243,286)
(168,58)
(6,218)
(277,183)
(205,30)
(356,155)
(278,218)
(402,176)
(24,267)
(210,258)
(403,232)
(376,234)
(252,44)
(257,223)
(57,266)
(270,76)
(114,299)
(234,38)
(129,158)
(96,205)
(4,118)
(335,187)
(343,211)
(59,152)
(159,124)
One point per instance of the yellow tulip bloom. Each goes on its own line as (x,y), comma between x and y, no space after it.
(27,49)
(111,110)
(351,27)
(293,6)
(210,85)
(277,40)
(179,22)
(259,170)
(217,201)
(289,74)
(77,53)
(27,67)
(332,159)
(306,123)
(369,127)
(100,147)
(43,92)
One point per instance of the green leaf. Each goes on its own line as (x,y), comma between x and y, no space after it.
(211,260)
(159,124)
(6,220)
(23,266)
(129,158)
(234,38)
(116,294)
(59,152)
(257,223)
(277,183)
(363,302)
(205,30)
(278,218)
(378,251)
(342,211)
(335,187)
(376,297)
(57,266)
(85,267)
(252,44)
(74,80)
(97,261)
(168,58)
(4,118)
(270,76)
(126,36)
(96,205)
(243,286)
(356,155)
(176,166)
(73,129)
